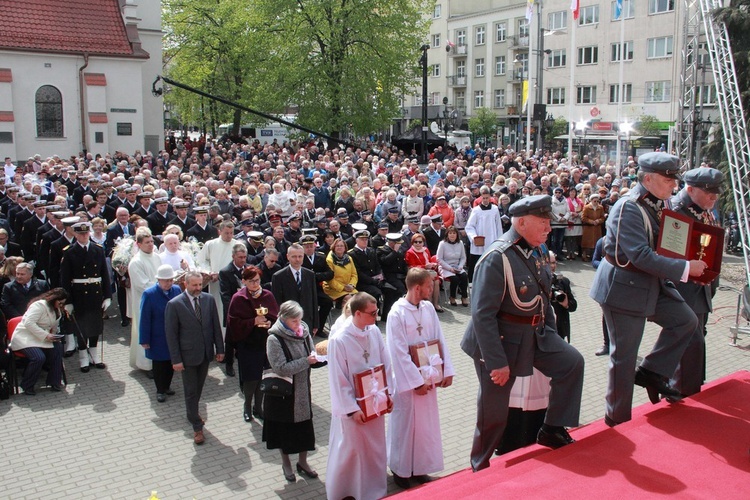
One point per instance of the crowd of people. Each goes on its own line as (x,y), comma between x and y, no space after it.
(266,240)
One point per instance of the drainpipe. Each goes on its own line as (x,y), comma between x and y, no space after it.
(81,83)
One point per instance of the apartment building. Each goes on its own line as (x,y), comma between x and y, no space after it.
(484,53)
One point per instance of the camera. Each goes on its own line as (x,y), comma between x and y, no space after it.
(556,293)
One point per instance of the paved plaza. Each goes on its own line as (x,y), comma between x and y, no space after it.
(107,437)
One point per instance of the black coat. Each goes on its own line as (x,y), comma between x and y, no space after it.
(28,237)
(433,238)
(230,280)
(15,298)
(56,250)
(45,244)
(187,224)
(367,265)
(79,263)
(202,235)
(562,284)
(157,222)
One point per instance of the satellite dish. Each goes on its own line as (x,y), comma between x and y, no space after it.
(434,127)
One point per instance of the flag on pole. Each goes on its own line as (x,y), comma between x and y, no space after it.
(529,10)
(575,6)
(618,9)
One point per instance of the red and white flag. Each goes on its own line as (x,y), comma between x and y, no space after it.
(575,6)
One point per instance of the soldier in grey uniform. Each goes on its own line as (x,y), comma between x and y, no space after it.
(633,283)
(512,330)
(696,200)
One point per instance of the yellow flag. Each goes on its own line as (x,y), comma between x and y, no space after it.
(525,92)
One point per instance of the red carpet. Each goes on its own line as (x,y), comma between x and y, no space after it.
(699,448)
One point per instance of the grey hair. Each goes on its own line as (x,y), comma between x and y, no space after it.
(290,310)
(25,265)
(193,274)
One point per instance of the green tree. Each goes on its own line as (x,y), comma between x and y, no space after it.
(559,127)
(648,125)
(343,63)
(210,45)
(484,124)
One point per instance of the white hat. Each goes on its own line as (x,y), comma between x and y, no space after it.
(165,272)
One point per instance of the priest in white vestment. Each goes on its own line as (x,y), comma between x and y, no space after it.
(215,255)
(180,260)
(415,447)
(142,270)
(483,227)
(356,449)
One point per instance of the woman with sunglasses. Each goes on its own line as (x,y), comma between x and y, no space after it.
(419,256)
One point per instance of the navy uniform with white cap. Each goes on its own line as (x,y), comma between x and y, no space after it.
(369,275)
(84,274)
(160,218)
(696,200)
(202,230)
(393,265)
(512,331)
(633,283)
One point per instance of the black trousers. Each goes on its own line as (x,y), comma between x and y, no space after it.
(163,374)
(122,294)
(325,304)
(460,283)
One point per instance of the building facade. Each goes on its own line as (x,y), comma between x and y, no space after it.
(484,53)
(77,76)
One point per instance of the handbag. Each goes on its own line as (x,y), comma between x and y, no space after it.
(273,384)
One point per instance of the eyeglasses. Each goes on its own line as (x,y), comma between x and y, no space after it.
(256,280)
(372,313)
(418,242)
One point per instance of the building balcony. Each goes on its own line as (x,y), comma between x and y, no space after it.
(518,42)
(519,75)
(457,81)
(458,51)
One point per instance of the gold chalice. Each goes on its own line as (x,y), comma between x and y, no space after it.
(705,242)
(261,311)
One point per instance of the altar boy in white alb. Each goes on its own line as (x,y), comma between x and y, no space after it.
(415,448)
(356,449)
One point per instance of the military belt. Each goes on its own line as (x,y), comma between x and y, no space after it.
(86,281)
(521,320)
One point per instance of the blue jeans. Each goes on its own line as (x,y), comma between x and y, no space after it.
(558,238)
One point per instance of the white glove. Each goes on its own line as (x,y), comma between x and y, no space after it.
(69,308)
(105,304)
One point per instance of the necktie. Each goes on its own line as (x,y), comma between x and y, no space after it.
(125,230)
(197,309)
(298,278)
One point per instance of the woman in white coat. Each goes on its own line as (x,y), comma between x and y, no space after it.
(37,337)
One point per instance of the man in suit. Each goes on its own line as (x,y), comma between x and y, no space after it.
(145,207)
(17,294)
(633,283)
(105,211)
(193,333)
(511,334)
(316,262)
(696,200)
(115,231)
(269,267)
(297,283)
(12,249)
(230,280)
(26,213)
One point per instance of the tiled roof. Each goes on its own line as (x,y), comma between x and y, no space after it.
(64,26)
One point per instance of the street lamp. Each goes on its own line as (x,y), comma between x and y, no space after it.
(424,48)
(581,127)
(626,128)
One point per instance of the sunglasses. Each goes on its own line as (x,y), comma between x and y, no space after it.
(418,242)
(372,313)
